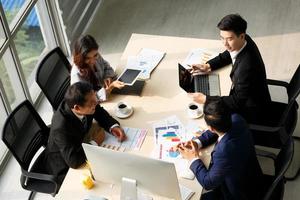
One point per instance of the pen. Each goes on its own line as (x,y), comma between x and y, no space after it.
(92,175)
(160,151)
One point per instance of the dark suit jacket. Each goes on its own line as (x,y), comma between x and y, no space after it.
(249,95)
(67,132)
(234,169)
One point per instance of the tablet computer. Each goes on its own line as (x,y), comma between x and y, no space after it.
(129,76)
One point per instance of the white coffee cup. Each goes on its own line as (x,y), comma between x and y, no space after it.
(194,110)
(123,108)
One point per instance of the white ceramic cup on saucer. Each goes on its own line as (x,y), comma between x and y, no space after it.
(194,110)
(123,108)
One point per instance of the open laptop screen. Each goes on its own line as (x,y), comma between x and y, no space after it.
(186,80)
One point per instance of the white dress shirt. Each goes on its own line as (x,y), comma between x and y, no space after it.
(234,54)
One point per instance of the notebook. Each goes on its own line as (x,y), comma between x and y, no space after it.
(135,89)
(207,84)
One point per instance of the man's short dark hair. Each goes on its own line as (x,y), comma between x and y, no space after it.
(234,23)
(76,93)
(217,115)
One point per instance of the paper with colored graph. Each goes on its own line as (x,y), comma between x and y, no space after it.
(167,139)
(168,133)
(171,123)
(134,141)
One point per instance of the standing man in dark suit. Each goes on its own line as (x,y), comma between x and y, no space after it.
(70,125)
(249,95)
(234,171)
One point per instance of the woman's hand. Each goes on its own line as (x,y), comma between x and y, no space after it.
(117,84)
(114,84)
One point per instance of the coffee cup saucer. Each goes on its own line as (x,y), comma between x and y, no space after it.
(196,116)
(121,115)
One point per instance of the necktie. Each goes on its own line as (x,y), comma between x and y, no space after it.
(84,122)
(212,153)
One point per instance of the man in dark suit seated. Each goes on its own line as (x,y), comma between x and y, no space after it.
(234,171)
(249,95)
(70,127)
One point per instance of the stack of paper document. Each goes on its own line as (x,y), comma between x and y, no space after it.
(146,60)
(198,56)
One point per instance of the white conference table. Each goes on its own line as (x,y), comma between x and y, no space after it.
(161,97)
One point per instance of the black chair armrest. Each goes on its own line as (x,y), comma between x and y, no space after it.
(268,129)
(277,83)
(263,128)
(263,153)
(39,176)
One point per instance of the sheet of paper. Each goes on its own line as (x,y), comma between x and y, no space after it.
(101,94)
(134,141)
(198,56)
(146,60)
(171,122)
(168,133)
(193,130)
(186,193)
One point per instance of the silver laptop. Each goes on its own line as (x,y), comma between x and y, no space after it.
(207,84)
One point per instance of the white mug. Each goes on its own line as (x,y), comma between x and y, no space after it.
(194,111)
(123,108)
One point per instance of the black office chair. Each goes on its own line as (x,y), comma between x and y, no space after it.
(282,117)
(274,185)
(25,134)
(53,76)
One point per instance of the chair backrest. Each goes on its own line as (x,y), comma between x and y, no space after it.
(293,89)
(24,133)
(282,163)
(53,76)
(290,112)
(288,121)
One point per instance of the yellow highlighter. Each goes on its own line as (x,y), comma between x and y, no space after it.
(87,181)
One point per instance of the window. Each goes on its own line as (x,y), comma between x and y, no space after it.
(8,79)
(11,8)
(30,45)
(2,35)
(2,120)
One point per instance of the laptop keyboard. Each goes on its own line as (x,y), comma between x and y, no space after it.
(202,84)
(207,84)
(214,85)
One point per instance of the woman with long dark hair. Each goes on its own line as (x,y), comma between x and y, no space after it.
(91,67)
